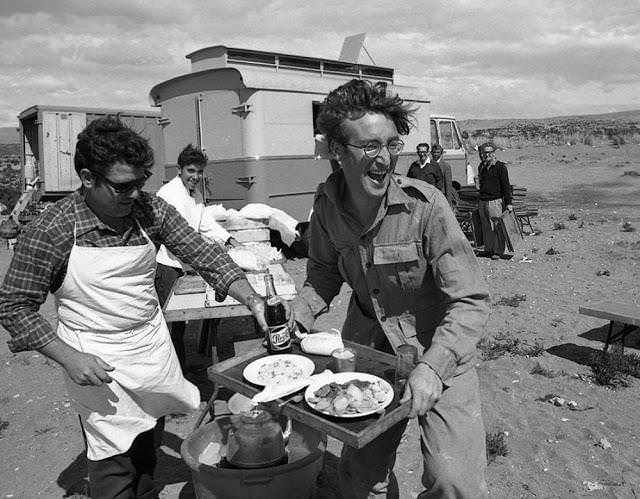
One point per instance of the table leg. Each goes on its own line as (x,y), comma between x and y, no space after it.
(209,408)
(609,334)
(208,336)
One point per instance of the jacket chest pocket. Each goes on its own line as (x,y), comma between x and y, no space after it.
(400,264)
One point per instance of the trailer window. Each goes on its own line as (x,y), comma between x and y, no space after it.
(448,137)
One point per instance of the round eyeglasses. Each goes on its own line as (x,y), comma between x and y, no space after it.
(372,149)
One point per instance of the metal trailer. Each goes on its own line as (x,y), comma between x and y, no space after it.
(253,113)
(48,136)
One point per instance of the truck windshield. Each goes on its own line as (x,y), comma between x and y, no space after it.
(448,136)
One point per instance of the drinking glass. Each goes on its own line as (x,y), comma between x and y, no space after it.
(344,360)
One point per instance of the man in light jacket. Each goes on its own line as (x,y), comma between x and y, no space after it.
(184,192)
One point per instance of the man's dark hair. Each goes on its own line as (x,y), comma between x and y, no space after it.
(437,147)
(422,144)
(107,141)
(356,98)
(191,155)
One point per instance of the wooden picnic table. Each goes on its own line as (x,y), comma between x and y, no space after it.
(626,314)
(355,432)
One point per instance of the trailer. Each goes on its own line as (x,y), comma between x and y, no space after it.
(48,136)
(253,113)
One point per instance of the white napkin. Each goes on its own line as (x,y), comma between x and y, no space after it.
(279,390)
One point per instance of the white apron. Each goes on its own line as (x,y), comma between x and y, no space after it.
(108,306)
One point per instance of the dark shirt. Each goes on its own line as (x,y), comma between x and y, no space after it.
(42,251)
(430,173)
(494,182)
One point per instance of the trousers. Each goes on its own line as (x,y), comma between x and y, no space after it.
(452,440)
(494,242)
(128,475)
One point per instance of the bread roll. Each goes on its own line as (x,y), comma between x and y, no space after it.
(321,343)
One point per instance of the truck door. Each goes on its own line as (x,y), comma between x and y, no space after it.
(60,131)
(444,131)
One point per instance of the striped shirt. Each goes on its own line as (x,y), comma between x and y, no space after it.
(42,251)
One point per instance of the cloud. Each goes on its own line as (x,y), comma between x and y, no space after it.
(497,58)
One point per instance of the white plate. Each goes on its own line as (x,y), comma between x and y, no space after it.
(285,367)
(341,378)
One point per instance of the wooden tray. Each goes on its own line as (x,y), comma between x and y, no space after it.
(354,432)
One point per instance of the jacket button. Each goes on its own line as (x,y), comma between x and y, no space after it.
(399,180)
(383,318)
(376,291)
(368,265)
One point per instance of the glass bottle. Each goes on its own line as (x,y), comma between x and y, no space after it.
(279,337)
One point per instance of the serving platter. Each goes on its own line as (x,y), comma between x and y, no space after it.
(380,385)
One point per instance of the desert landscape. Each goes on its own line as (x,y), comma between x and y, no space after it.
(560,422)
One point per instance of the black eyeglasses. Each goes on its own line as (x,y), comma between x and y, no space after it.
(372,149)
(126,187)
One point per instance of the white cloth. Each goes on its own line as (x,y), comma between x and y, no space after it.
(190,207)
(108,306)
(209,226)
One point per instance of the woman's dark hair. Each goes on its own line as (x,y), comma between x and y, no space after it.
(108,140)
(356,98)
(191,155)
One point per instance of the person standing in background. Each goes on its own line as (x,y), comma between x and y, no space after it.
(494,197)
(447,185)
(423,169)
(184,193)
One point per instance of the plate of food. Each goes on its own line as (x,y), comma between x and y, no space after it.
(280,368)
(349,395)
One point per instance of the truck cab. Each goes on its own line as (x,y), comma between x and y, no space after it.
(445,131)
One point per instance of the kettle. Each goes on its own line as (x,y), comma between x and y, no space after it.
(255,441)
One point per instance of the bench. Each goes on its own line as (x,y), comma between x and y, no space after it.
(524,214)
(625,314)
(523,211)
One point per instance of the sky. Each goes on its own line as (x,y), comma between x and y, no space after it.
(475,59)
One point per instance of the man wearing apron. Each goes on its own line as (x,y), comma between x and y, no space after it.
(95,250)
(415,280)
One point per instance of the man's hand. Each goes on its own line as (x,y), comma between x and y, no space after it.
(87,369)
(424,388)
(82,368)
(510,207)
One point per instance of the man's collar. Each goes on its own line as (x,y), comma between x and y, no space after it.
(86,219)
(395,193)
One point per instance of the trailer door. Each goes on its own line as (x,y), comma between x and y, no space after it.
(60,133)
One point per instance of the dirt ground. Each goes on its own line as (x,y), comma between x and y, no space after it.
(550,451)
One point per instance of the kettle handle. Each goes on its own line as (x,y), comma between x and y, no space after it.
(287,430)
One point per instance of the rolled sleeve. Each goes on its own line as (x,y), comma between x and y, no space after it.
(25,289)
